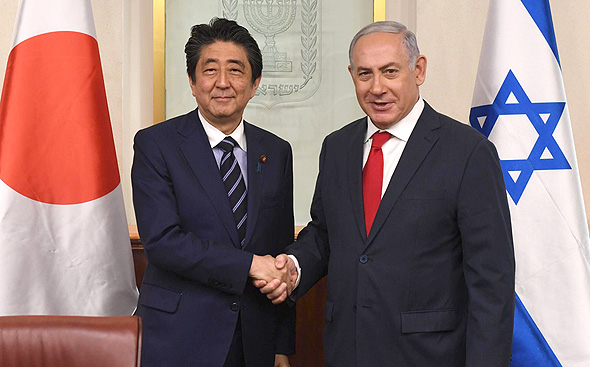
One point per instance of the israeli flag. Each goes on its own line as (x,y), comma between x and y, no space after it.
(519,103)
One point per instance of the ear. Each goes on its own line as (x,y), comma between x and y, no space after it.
(351,71)
(420,70)
(255,86)
(193,86)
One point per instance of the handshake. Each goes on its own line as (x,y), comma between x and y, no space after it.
(274,277)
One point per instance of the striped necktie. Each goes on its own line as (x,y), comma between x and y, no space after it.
(235,185)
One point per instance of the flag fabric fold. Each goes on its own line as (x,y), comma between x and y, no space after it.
(64,242)
(519,103)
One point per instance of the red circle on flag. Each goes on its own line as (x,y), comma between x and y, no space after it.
(56,143)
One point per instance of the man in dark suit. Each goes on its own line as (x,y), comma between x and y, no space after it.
(213,195)
(410,222)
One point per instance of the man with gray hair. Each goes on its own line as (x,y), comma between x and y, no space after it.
(410,222)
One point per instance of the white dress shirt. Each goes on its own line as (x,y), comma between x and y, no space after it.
(392,150)
(215,137)
(394,147)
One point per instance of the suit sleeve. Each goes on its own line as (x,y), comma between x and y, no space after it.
(285,330)
(488,259)
(312,248)
(167,244)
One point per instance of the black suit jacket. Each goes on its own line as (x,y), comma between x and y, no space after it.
(196,281)
(433,283)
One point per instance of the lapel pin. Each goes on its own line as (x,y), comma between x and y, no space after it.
(262,160)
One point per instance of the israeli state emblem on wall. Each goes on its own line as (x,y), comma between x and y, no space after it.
(288,33)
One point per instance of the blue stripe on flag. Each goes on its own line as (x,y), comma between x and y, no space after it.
(540,11)
(529,347)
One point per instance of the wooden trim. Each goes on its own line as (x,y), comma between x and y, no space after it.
(134,234)
(159,16)
(378,10)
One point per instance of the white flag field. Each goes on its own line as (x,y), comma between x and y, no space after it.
(519,103)
(64,241)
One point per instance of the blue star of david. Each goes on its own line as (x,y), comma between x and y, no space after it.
(533,111)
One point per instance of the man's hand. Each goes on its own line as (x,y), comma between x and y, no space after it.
(277,280)
(275,289)
(281,360)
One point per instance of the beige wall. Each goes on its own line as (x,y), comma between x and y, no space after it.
(449,34)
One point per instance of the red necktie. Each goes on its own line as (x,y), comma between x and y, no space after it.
(373,178)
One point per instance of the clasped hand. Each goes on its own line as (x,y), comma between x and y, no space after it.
(274,277)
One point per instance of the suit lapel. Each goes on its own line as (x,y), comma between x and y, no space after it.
(419,144)
(256,148)
(195,147)
(354,165)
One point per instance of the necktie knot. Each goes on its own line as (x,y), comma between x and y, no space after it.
(227,144)
(379,139)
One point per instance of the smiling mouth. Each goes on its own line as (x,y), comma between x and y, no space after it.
(381,105)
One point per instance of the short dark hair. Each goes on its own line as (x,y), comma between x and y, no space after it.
(224,30)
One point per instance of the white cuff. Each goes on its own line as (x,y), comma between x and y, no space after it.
(298,270)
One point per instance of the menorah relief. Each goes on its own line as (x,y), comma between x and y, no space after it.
(271,17)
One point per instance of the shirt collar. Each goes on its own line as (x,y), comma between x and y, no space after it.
(215,136)
(403,128)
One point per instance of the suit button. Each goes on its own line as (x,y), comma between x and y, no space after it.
(234,307)
(363,259)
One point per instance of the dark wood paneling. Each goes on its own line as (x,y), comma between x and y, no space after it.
(310,323)
(139,260)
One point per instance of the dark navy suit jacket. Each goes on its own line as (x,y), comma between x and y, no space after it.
(196,281)
(433,282)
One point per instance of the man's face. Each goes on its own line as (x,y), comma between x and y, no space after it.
(223,84)
(386,87)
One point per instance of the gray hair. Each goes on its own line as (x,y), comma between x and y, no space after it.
(410,42)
